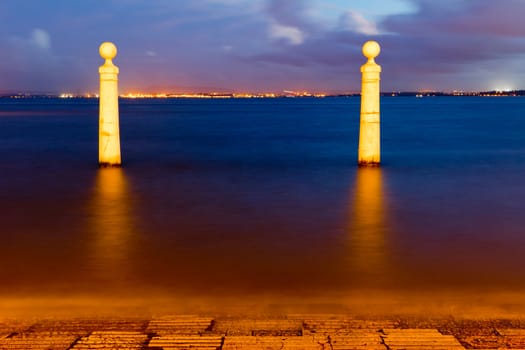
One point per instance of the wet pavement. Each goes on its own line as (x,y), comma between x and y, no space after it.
(294,331)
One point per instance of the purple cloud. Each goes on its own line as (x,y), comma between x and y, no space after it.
(501,18)
(448,44)
(258,45)
(455,38)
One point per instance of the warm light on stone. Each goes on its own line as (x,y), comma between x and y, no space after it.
(108,137)
(369,131)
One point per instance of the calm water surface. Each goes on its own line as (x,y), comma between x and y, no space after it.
(262,197)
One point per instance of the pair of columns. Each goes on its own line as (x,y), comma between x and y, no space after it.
(109,135)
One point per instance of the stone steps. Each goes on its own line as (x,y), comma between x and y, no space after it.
(38,341)
(180,342)
(343,325)
(513,338)
(82,327)
(258,327)
(357,339)
(421,339)
(112,340)
(334,332)
(186,324)
(270,342)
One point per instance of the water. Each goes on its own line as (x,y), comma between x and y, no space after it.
(262,199)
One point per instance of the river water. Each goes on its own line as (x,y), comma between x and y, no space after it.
(261,200)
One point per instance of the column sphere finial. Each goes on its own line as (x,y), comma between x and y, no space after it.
(107,50)
(371,49)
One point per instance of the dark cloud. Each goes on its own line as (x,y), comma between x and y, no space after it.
(289,12)
(257,44)
(502,18)
(443,45)
(453,37)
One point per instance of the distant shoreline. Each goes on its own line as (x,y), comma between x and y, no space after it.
(213,95)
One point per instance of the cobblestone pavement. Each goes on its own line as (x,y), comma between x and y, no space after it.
(290,332)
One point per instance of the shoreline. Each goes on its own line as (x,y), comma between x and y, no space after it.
(296,331)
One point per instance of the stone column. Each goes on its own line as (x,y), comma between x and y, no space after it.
(108,136)
(369,133)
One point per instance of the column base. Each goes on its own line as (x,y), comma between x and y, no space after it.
(368,164)
(109,165)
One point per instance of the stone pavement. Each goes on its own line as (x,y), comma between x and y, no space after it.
(285,332)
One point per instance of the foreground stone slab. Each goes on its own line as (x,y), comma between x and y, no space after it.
(179,342)
(513,338)
(112,340)
(357,339)
(259,327)
(83,327)
(262,332)
(403,339)
(37,341)
(270,342)
(13,327)
(342,325)
(186,324)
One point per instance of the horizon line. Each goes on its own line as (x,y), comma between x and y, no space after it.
(284,93)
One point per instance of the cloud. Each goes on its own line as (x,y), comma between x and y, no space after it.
(226,2)
(288,20)
(441,45)
(254,44)
(453,43)
(356,22)
(291,34)
(463,17)
(41,39)
(292,13)
(442,34)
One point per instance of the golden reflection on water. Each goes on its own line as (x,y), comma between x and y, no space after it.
(112,227)
(368,226)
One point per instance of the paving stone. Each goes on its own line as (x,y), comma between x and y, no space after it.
(513,338)
(112,340)
(357,339)
(259,327)
(342,325)
(236,332)
(13,327)
(38,340)
(271,342)
(400,339)
(84,326)
(180,342)
(186,324)
(483,341)
(512,332)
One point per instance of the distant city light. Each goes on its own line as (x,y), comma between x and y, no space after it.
(503,87)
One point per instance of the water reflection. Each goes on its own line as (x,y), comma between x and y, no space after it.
(369,227)
(113,231)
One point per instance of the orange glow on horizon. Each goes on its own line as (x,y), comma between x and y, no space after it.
(136,95)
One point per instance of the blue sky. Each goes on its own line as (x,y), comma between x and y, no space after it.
(262,45)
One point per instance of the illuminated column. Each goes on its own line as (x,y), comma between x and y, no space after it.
(108,133)
(369,134)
